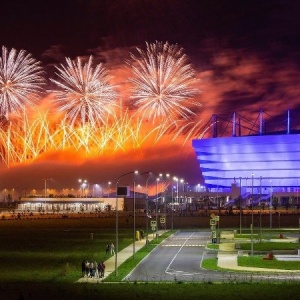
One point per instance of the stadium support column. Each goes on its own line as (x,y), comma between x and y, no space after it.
(260,122)
(233,125)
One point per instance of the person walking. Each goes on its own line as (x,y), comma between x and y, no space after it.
(107,249)
(83,268)
(92,270)
(87,269)
(112,249)
(102,268)
(96,275)
(100,271)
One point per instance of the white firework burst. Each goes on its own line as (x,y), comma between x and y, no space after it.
(84,94)
(21,80)
(163,82)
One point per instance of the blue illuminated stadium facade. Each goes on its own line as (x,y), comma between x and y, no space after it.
(251,155)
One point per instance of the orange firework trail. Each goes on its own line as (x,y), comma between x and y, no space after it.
(91,123)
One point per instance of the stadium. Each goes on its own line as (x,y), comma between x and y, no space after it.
(251,158)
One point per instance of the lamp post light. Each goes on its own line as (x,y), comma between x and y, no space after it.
(182,181)
(252,217)
(86,188)
(82,184)
(164,187)
(108,186)
(177,190)
(117,221)
(172,201)
(156,207)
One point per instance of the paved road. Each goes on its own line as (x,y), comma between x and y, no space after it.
(179,258)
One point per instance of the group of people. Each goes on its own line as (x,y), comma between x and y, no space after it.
(93,269)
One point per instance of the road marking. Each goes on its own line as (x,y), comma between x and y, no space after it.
(198,238)
(175,272)
(177,245)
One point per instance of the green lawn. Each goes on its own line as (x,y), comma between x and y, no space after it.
(269,246)
(259,262)
(52,250)
(41,259)
(147,291)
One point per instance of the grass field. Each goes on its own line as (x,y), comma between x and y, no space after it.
(270,246)
(259,262)
(147,291)
(41,259)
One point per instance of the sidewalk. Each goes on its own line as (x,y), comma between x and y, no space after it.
(123,255)
(228,257)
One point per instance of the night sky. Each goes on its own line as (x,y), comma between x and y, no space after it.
(246,54)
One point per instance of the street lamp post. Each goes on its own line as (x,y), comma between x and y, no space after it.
(240,205)
(45,180)
(117,222)
(134,226)
(80,181)
(182,181)
(177,192)
(252,217)
(147,208)
(177,182)
(134,219)
(260,224)
(164,185)
(156,208)
(108,194)
(87,188)
(172,221)
(82,184)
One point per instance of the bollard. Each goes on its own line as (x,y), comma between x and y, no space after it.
(91,236)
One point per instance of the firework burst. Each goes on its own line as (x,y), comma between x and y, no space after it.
(20,80)
(163,82)
(84,94)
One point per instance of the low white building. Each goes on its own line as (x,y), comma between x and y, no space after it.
(69,204)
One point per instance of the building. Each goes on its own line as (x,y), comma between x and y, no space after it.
(257,160)
(75,205)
